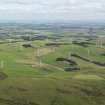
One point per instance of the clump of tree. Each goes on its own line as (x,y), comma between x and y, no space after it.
(71,62)
(103,54)
(56,44)
(77,56)
(27,45)
(27,38)
(99,63)
(87,60)
(34,37)
(83,44)
(72,69)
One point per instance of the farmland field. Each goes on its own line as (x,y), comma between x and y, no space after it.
(40,66)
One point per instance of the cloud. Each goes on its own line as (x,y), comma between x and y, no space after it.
(52,9)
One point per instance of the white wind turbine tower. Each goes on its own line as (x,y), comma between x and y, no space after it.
(100,41)
(38,56)
(71,41)
(88,52)
(97,42)
(47,40)
(20,47)
(52,48)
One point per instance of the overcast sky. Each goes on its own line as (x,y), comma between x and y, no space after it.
(52,10)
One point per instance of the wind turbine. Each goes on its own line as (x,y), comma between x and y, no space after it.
(20,47)
(38,56)
(88,52)
(101,41)
(71,41)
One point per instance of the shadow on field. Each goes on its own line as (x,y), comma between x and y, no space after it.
(87,60)
(3,76)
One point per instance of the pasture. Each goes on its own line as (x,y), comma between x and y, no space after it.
(33,76)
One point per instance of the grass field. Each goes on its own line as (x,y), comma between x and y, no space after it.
(34,79)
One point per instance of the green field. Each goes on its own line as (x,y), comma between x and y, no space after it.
(32,80)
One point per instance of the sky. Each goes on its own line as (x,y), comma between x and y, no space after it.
(52,10)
